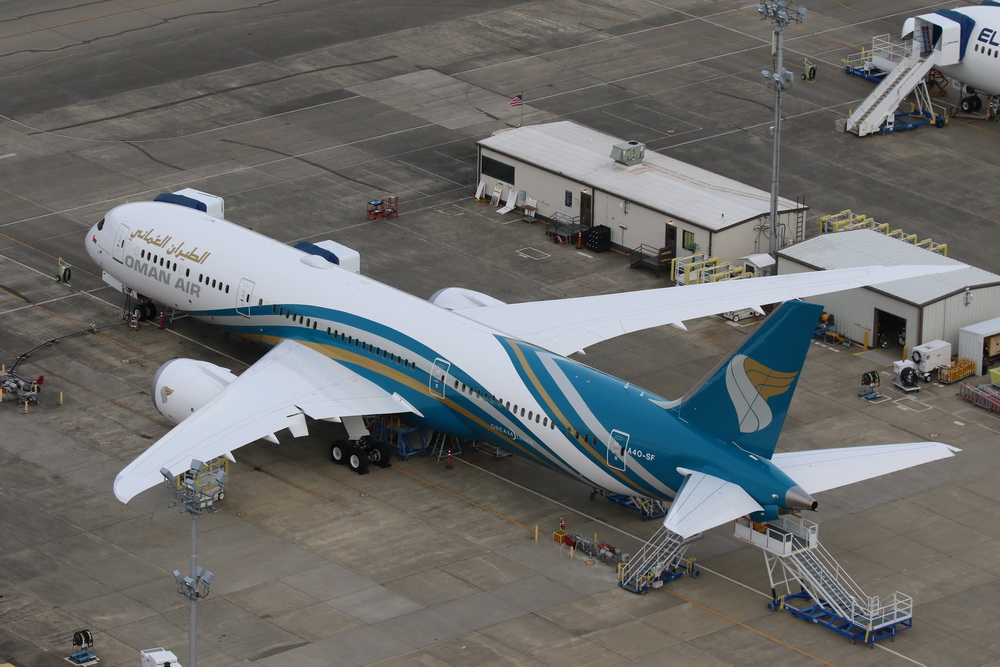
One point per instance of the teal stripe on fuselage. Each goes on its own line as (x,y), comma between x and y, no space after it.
(600,398)
(436,415)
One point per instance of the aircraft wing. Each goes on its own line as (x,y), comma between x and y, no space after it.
(821,469)
(569,325)
(277,392)
(704,502)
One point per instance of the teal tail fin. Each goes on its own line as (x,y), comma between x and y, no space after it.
(745,398)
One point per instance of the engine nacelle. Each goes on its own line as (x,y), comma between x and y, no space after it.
(459,298)
(181,386)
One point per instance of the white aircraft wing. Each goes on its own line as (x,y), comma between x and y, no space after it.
(822,469)
(287,383)
(704,502)
(569,325)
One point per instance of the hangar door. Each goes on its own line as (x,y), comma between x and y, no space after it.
(890,331)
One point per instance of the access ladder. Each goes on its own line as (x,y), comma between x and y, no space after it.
(877,112)
(660,559)
(793,555)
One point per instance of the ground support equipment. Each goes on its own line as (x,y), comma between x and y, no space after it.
(443,445)
(984,395)
(646,507)
(794,556)
(870,383)
(83,641)
(380,209)
(660,560)
(406,440)
(962,368)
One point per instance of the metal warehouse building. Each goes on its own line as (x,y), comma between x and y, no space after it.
(565,171)
(917,310)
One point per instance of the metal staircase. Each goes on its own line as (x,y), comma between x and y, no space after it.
(661,559)
(879,107)
(793,555)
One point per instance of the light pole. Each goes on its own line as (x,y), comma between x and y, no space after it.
(195,490)
(781,13)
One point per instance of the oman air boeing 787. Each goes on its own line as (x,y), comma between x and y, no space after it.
(343,346)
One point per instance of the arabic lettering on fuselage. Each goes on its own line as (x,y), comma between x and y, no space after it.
(147,236)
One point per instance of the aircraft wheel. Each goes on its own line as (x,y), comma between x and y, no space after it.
(357,460)
(379,455)
(977,103)
(968,105)
(338,452)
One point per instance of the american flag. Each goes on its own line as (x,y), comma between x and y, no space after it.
(516,101)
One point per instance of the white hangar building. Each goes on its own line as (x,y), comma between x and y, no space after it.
(922,309)
(642,196)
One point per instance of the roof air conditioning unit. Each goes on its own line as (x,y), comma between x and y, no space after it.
(628,153)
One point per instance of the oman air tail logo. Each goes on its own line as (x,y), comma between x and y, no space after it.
(750,384)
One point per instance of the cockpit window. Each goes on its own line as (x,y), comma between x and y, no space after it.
(100,225)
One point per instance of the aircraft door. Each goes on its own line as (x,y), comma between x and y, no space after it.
(439,377)
(243,295)
(118,252)
(617,447)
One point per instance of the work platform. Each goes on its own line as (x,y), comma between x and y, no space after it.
(900,69)
(793,555)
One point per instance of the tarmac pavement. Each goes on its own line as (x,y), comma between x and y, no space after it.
(297,113)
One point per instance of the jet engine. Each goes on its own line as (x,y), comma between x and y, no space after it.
(181,386)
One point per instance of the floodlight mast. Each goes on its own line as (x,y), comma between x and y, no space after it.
(781,13)
(190,495)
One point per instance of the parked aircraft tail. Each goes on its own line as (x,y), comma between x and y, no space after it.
(745,398)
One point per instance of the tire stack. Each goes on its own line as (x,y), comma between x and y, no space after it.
(599,238)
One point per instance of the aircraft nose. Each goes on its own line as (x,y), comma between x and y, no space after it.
(797,498)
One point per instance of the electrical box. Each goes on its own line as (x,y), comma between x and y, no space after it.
(930,356)
(158,657)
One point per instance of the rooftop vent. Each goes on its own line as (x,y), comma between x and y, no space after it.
(628,153)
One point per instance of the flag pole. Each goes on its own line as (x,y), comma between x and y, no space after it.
(521,121)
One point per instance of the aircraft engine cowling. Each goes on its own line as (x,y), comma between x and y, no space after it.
(181,386)
(459,298)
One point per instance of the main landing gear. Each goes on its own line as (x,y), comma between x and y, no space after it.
(359,455)
(971,104)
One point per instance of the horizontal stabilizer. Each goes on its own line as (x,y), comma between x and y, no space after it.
(821,469)
(704,502)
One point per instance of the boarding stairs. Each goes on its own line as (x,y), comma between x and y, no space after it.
(877,112)
(661,559)
(793,555)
